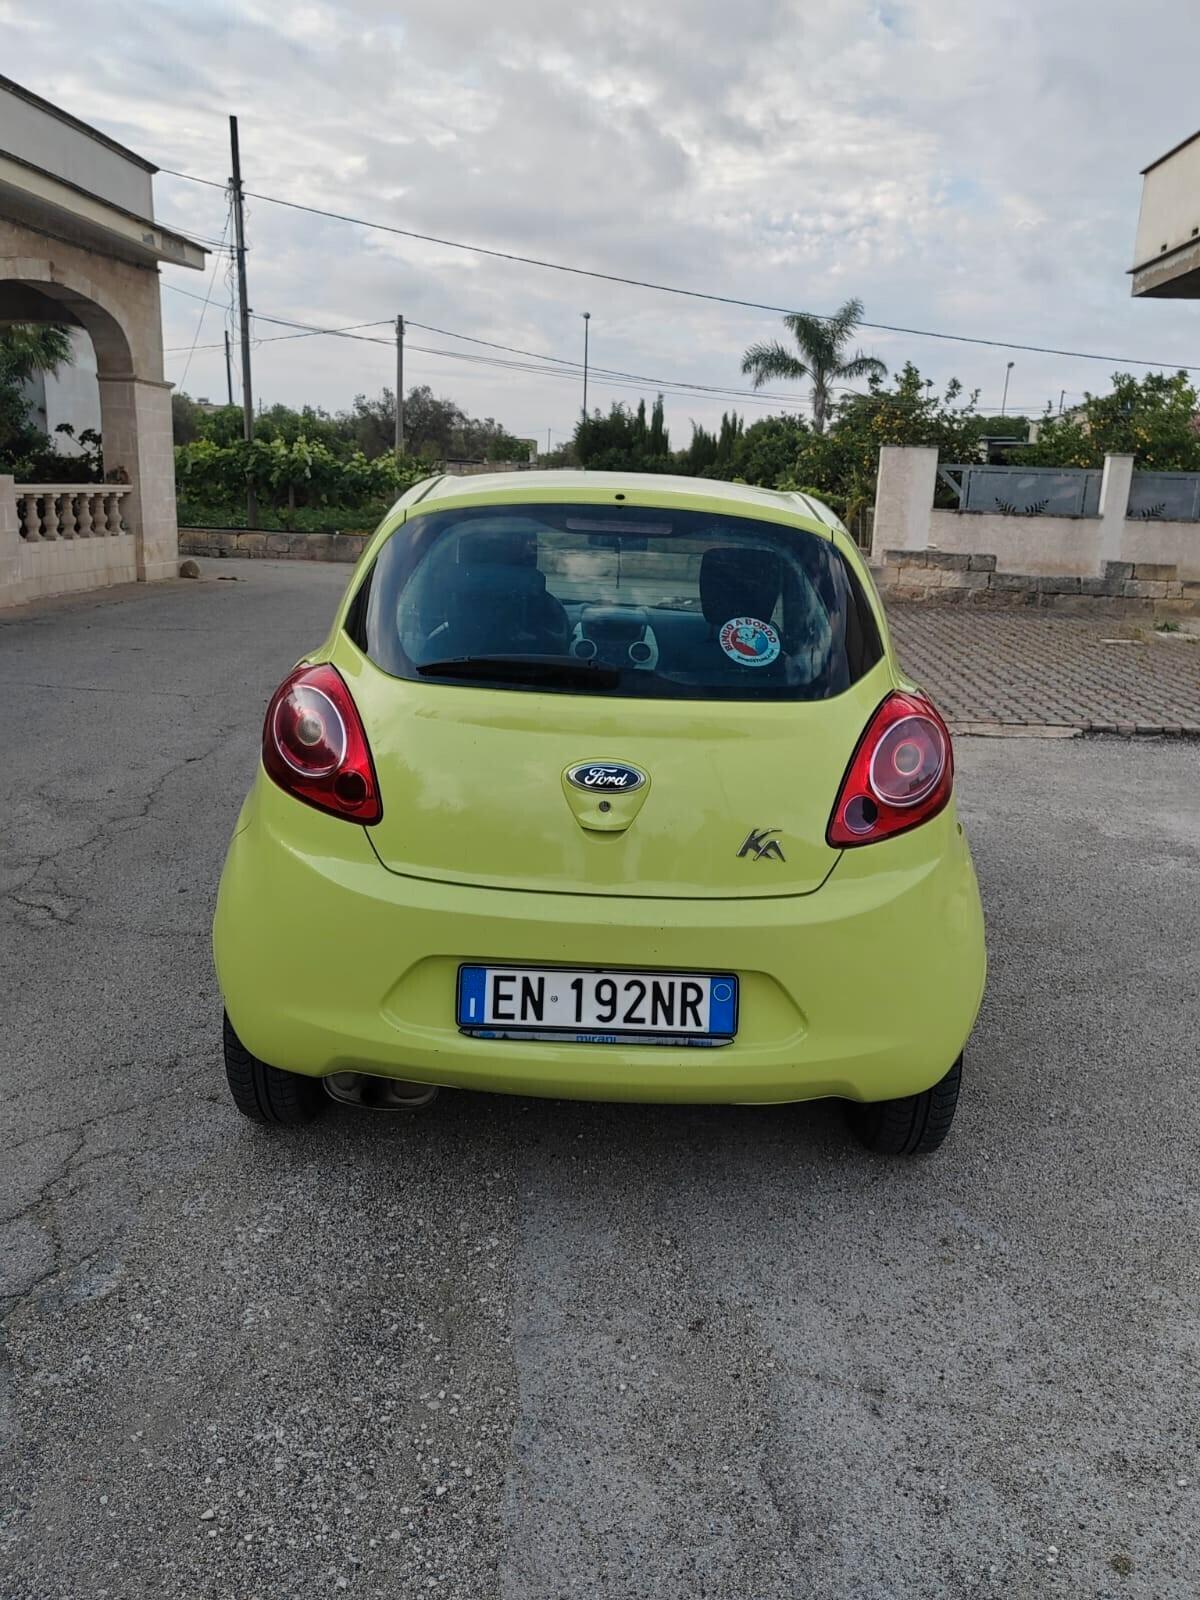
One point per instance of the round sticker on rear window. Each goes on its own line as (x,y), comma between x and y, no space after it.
(749,642)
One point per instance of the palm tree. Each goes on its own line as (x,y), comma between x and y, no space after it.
(25,348)
(822,342)
(29,347)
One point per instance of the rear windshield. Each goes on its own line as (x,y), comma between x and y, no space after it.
(616,601)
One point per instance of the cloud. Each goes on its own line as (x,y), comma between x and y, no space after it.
(957,168)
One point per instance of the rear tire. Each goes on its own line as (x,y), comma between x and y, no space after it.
(914,1125)
(263,1093)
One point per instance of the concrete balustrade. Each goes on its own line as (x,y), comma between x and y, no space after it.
(47,511)
(56,538)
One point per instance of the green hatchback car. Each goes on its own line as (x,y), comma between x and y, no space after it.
(606,786)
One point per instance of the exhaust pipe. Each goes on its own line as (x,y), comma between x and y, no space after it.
(367,1091)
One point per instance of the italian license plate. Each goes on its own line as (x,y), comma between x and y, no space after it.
(598,1007)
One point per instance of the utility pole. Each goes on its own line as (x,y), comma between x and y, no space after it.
(235,185)
(587,318)
(228,369)
(399,386)
(1062,395)
(1007,376)
(547,441)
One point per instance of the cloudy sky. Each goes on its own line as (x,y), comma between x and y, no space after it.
(961,167)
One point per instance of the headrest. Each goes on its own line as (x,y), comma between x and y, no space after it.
(499,546)
(483,588)
(737,581)
(494,583)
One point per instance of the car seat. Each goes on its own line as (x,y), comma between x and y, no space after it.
(486,596)
(739,581)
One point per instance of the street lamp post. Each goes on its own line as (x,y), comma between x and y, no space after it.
(1007,375)
(587,317)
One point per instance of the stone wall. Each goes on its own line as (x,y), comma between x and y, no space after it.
(1127,589)
(264,545)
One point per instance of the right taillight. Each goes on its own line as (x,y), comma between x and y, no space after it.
(900,775)
(315,746)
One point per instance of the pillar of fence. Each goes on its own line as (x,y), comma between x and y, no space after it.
(1114,507)
(10,535)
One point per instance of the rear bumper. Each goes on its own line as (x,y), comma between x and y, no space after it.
(866,989)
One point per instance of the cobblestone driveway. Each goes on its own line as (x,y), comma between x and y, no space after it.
(1004,667)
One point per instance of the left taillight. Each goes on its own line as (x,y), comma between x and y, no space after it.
(900,775)
(315,747)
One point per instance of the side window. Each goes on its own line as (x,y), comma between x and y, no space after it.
(864,647)
(356,617)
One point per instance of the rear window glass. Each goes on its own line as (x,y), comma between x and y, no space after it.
(617,601)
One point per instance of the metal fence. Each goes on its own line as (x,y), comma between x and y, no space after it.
(862,527)
(1065,492)
(1021,491)
(1165,496)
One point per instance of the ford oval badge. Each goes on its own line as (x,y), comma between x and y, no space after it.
(605,777)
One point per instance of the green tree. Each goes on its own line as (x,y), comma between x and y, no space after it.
(843,463)
(701,454)
(623,441)
(729,439)
(25,348)
(659,443)
(222,425)
(430,423)
(435,428)
(372,423)
(769,449)
(1155,419)
(29,347)
(187,419)
(504,447)
(310,422)
(301,482)
(822,343)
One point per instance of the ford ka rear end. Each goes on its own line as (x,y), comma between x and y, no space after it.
(609,787)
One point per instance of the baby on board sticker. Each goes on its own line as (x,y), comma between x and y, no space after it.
(749,641)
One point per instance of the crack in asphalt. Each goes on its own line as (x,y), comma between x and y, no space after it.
(42,1207)
(48,861)
(139,693)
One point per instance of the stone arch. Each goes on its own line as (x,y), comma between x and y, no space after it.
(50,294)
(123,323)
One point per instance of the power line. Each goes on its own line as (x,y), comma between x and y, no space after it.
(744,397)
(347,332)
(676,387)
(690,294)
(207,300)
(614,372)
(638,379)
(206,240)
(602,381)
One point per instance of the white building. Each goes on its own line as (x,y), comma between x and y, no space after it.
(70,396)
(1166,255)
(79,247)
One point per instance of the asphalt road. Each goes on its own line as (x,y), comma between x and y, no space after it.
(536,1350)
